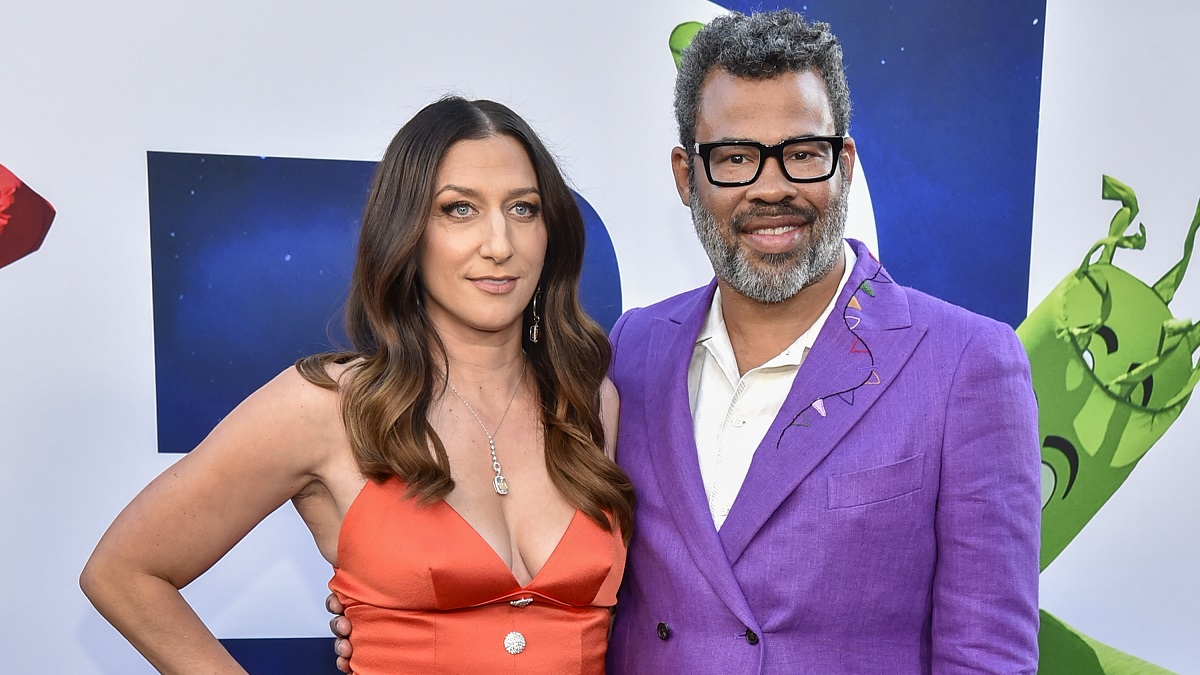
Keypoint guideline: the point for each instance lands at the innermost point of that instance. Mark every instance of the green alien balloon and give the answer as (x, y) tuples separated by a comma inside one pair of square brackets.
[(681, 37), (1112, 369)]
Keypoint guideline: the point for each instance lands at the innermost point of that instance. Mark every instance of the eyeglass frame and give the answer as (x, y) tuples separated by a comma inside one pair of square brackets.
[(838, 143)]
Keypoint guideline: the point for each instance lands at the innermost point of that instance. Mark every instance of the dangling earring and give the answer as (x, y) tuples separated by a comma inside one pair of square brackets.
[(535, 330)]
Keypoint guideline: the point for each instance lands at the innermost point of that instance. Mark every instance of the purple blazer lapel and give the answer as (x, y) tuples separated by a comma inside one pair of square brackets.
[(676, 465), (853, 360)]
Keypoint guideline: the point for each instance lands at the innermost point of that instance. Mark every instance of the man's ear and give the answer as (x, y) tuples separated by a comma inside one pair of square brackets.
[(849, 157), (679, 167)]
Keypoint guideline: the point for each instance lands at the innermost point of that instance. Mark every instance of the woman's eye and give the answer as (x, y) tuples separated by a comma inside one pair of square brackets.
[(524, 210), (459, 210)]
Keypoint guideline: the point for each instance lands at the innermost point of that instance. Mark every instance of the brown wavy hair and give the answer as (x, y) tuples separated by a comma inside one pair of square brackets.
[(397, 358)]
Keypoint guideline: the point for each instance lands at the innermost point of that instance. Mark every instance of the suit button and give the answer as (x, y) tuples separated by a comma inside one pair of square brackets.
[(751, 637), (664, 631)]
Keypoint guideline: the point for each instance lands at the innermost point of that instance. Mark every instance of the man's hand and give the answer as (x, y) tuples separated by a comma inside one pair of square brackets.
[(340, 626)]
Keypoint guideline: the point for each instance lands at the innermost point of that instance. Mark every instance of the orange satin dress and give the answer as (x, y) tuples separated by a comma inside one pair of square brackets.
[(426, 594)]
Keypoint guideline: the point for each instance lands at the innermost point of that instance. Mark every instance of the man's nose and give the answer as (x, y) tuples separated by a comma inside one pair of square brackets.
[(772, 185)]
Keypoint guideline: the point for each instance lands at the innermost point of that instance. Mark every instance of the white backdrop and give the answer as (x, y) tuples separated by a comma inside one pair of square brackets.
[(88, 89)]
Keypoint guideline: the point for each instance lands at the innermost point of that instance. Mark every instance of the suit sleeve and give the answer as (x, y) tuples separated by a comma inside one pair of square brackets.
[(614, 338), (985, 606)]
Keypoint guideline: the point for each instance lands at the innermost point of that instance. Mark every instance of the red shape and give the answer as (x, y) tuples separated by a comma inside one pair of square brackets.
[(25, 218), (856, 349)]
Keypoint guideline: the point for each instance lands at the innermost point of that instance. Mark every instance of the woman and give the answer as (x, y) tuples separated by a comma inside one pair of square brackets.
[(456, 468)]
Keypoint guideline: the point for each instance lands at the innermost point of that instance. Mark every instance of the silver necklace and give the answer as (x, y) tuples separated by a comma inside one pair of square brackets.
[(498, 483)]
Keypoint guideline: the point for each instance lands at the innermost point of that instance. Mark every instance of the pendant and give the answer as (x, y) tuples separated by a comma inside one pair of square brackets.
[(500, 484)]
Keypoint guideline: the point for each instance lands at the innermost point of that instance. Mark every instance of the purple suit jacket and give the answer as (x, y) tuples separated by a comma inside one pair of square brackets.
[(890, 519)]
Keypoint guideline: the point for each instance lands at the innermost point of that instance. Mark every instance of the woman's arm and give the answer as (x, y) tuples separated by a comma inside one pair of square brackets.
[(271, 446)]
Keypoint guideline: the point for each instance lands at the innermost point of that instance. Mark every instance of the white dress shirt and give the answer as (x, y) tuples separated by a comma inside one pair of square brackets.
[(731, 412)]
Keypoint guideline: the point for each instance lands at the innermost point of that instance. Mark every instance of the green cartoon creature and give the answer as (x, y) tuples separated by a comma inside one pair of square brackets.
[(1113, 369), (681, 37)]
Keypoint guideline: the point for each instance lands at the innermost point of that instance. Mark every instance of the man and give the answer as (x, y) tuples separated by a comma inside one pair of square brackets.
[(835, 474)]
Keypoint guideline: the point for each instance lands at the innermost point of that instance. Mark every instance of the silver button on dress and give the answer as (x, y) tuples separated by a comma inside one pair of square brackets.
[(514, 643)]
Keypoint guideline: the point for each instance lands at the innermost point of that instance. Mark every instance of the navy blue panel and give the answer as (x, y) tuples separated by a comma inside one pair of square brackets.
[(600, 286), (284, 656), (252, 259), (946, 100)]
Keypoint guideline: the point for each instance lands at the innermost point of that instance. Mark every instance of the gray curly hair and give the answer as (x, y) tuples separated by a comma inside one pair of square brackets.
[(760, 46)]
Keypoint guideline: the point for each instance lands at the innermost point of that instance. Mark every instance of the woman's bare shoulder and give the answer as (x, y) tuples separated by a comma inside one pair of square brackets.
[(608, 394), (322, 387), (294, 412), (610, 409), (291, 390)]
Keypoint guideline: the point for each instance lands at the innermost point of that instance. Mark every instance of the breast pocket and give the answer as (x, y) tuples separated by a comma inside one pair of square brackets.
[(876, 484)]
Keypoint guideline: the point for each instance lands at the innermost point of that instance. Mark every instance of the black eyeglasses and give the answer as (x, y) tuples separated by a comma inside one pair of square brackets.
[(807, 159)]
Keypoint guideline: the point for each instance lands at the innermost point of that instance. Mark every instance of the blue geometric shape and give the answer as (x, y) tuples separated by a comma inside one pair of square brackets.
[(251, 260), (284, 656), (600, 285)]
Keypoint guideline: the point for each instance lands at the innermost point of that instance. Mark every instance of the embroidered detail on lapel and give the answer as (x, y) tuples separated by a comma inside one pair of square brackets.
[(858, 346)]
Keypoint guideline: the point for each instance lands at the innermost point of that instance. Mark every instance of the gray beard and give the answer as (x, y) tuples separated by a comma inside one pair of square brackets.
[(776, 276)]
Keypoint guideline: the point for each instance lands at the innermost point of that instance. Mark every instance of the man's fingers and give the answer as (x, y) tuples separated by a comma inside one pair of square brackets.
[(333, 605), (340, 627), (343, 664)]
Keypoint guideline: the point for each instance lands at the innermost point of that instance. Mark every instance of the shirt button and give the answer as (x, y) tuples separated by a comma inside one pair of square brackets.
[(739, 422), (751, 637), (664, 631)]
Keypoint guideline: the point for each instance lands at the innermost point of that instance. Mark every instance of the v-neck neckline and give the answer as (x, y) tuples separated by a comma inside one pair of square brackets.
[(499, 560)]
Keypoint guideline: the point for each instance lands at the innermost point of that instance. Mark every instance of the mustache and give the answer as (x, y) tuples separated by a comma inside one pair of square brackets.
[(807, 214)]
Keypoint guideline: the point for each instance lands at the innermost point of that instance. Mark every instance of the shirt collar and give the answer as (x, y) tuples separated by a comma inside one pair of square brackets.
[(715, 337)]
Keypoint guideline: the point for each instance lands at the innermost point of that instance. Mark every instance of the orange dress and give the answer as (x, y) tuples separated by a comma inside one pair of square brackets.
[(426, 594)]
